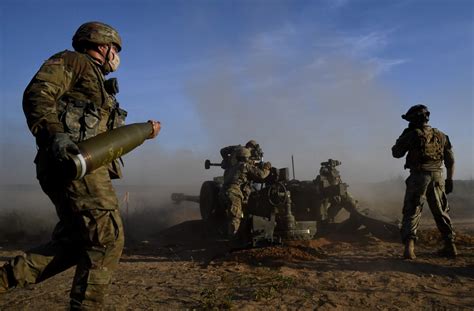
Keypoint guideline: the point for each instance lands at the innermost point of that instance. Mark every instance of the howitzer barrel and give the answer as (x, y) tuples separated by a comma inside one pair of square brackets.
[(180, 197), (107, 147)]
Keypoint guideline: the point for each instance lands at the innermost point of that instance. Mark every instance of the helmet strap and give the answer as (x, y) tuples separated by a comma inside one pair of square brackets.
[(109, 47), (96, 55)]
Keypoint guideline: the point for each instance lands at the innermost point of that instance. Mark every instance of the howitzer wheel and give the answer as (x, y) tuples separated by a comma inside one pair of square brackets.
[(208, 199), (277, 194)]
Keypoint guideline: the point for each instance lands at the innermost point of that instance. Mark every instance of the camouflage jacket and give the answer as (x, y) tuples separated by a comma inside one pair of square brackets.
[(239, 176), (426, 149), (67, 95)]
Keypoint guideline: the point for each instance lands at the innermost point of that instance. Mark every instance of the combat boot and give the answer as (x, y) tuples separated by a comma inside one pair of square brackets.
[(3, 280), (409, 249), (449, 250)]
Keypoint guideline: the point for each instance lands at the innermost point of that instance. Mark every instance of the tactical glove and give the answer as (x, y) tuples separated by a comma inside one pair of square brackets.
[(448, 185), (61, 145), (267, 165)]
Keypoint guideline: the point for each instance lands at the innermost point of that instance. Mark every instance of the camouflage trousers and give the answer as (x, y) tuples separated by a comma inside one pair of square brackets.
[(89, 235), (429, 186), (330, 207), (232, 203)]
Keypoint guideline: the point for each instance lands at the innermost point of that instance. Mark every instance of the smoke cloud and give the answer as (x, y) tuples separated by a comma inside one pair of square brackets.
[(315, 105), (296, 94)]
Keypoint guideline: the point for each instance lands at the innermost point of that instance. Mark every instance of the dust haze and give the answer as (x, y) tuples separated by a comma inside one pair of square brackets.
[(328, 109), (325, 105)]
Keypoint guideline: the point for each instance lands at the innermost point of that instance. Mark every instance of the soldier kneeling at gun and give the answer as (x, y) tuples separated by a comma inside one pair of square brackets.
[(334, 192)]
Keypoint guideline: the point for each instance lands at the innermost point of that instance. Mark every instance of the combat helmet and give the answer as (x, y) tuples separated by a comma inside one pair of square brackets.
[(417, 113), (242, 154), (255, 149), (251, 144), (97, 33)]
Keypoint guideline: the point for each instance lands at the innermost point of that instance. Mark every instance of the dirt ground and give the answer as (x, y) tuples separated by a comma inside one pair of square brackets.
[(185, 267)]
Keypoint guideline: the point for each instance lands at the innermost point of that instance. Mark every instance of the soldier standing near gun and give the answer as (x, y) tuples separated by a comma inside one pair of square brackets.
[(66, 102), (426, 149), (236, 188)]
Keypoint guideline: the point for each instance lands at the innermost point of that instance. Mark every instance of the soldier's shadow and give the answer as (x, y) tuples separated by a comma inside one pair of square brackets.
[(198, 241), (195, 240), (360, 252), (419, 267)]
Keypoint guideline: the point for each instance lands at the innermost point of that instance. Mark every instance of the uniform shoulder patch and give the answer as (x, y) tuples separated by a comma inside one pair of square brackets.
[(54, 61), (52, 70)]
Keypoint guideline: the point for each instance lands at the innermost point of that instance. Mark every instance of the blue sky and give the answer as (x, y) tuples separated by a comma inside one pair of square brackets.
[(317, 79)]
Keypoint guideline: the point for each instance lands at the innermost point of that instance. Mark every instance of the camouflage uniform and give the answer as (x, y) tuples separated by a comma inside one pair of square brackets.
[(228, 156), (427, 149), (334, 193), (228, 153), (67, 95), (236, 191)]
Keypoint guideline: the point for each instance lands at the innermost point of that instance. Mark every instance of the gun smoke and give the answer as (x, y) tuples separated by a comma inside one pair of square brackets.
[(325, 105)]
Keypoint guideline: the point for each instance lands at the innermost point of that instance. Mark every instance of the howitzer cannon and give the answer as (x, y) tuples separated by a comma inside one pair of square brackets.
[(207, 199), (268, 215), (325, 196), (293, 209), (180, 197)]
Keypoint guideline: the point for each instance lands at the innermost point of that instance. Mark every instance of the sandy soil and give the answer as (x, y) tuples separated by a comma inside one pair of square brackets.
[(184, 267)]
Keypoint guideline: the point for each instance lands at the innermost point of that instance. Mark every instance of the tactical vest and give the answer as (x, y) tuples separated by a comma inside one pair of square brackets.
[(431, 144), (429, 148), (87, 109), (80, 119)]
